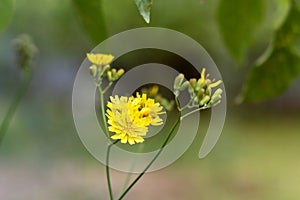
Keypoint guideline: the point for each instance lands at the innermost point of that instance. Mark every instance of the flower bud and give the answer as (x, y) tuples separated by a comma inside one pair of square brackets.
[(178, 81), (193, 82), (204, 100), (109, 75), (200, 93), (200, 84), (184, 85), (208, 91), (93, 70), (120, 72), (216, 96)]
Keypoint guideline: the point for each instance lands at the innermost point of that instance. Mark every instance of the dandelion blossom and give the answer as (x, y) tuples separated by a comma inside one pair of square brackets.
[(129, 118)]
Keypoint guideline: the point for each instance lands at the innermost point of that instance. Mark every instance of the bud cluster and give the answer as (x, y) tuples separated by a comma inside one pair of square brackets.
[(200, 90), (101, 68)]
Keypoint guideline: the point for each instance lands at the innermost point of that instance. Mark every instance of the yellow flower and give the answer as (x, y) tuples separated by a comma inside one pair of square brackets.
[(100, 59), (149, 109), (129, 118)]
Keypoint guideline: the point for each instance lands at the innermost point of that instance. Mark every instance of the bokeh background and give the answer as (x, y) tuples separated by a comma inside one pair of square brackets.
[(42, 157)]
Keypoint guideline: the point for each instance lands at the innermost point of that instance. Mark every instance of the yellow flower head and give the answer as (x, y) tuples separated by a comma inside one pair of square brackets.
[(100, 59), (129, 118)]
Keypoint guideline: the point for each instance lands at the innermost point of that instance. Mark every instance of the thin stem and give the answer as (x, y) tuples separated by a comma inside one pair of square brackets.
[(192, 112), (128, 177), (107, 87), (107, 169), (101, 95), (187, 105), (151, 162), (14, 104)]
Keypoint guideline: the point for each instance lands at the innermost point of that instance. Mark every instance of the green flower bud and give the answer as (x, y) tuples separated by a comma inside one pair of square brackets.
[(200, 84), (120, 72), (178, 81), (113, 72), (200, 93), (109, 75), (184, 85), (216, 96), (193, 82), (204, 100), (208, 91), (93, 70)]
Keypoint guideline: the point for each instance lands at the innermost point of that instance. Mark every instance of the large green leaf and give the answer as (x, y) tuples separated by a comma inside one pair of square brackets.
[(144, 7), (91, 16), (238, 21), (275, 75), (6, 10)]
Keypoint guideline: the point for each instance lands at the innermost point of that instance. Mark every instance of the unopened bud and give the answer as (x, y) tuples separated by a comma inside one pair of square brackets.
[(216, 96), (93, 70), (184, 85), (208, 91), (120, 72), (193, 82), (109, 75), (178, 81), (200, 93), (204, 100), (200, 84)]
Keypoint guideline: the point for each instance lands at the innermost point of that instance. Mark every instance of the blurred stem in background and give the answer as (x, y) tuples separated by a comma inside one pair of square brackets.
[(26, 52)]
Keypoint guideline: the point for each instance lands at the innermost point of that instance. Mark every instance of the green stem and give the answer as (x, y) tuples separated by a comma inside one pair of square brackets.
[(101, 95), (192, 112), (128, 177), (187, 105), (151, 162), (14, 104), (107, 87), (107, 169)]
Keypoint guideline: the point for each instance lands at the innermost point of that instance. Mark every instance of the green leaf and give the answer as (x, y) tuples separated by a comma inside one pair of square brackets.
[(274, 76), (238, 21), (144, 7), (90, 14), (6, 11)]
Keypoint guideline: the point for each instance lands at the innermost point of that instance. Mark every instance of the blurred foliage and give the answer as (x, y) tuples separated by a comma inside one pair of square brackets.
[(91, 16), (144, 6), (6, 11), (238, 22), (274, 75), (241, 23)]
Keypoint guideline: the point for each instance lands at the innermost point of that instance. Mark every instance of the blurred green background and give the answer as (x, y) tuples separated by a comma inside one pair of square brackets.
[(41, 156)]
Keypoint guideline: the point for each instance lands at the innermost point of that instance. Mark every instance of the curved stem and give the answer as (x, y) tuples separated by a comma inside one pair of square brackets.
[(14, 104), (151, 162), (107, 169)]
